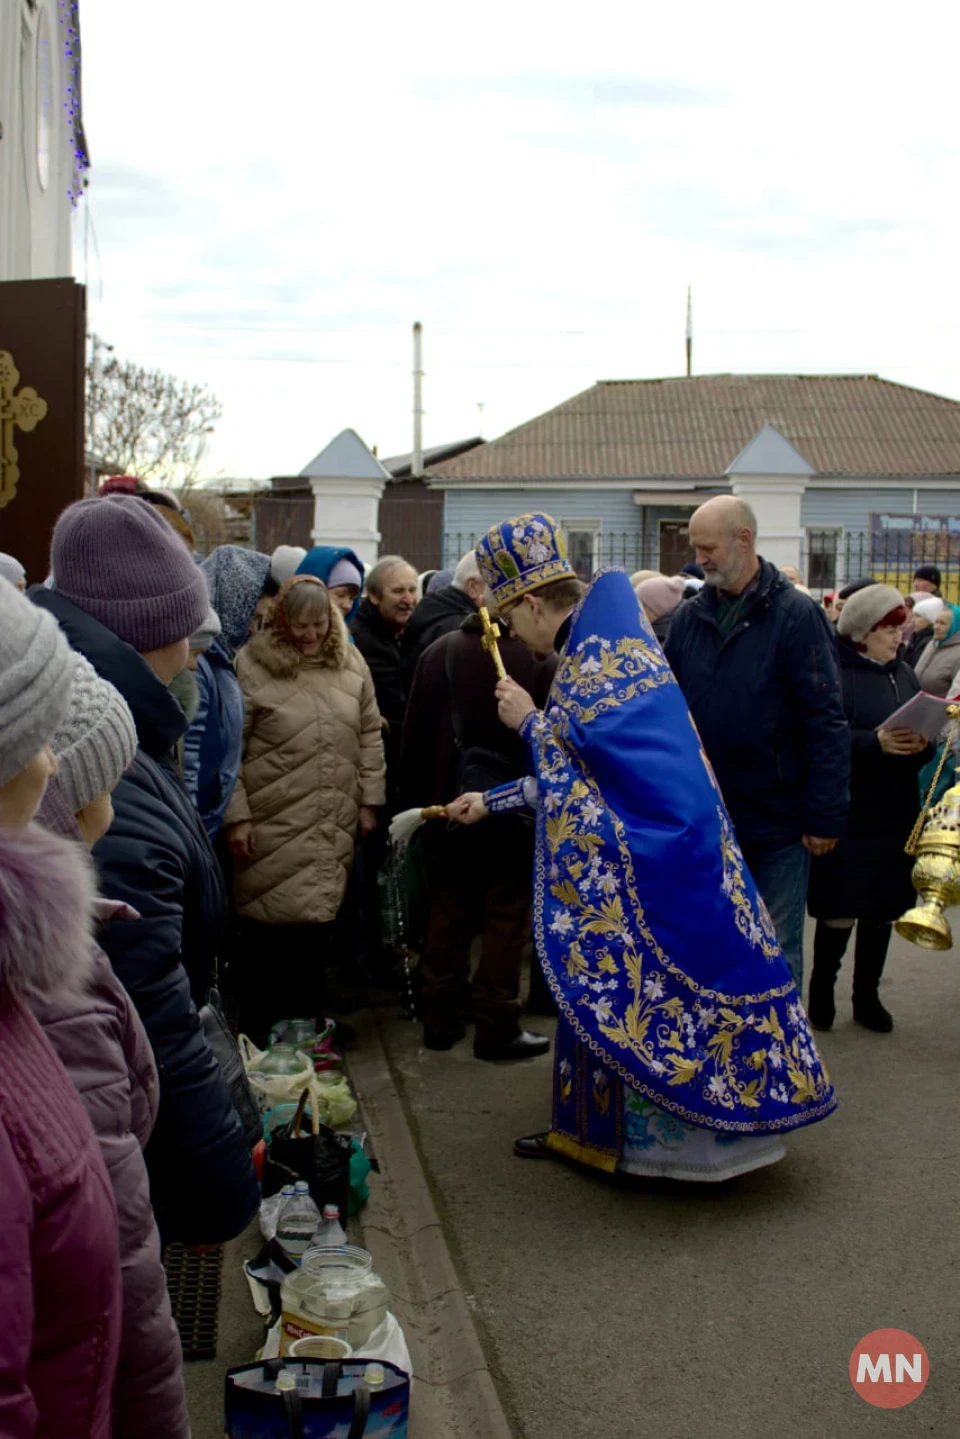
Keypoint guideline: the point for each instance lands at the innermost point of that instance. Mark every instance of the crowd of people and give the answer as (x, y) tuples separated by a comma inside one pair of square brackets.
[(199, 760)]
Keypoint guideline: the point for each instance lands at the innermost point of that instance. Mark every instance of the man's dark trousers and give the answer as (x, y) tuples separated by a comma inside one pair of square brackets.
[(474, 893)]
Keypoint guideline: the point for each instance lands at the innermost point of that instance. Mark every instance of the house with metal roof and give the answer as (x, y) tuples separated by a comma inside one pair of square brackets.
[(848, 474)]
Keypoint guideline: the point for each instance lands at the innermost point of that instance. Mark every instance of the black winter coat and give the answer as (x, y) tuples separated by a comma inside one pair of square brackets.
[(766, 701), (156, 857), (431, 756), (867, 876), (385, 653), (452, 715), (438, 614)]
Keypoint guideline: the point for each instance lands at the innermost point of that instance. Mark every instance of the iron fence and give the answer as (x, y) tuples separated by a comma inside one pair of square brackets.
[(833, 558), (589, 551), (829, 558)]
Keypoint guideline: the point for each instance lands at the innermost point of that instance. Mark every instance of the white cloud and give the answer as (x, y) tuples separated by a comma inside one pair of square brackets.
[(278, 192)]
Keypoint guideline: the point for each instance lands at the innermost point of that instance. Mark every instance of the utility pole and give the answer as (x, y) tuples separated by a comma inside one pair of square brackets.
[(689, 331), (416, 467), (96, 347)]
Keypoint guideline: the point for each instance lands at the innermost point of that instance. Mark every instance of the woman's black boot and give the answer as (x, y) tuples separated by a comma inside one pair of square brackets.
[(829, 946), (873, 941)]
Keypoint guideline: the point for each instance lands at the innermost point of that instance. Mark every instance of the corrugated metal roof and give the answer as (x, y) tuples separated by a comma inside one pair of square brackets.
[(845, 425)]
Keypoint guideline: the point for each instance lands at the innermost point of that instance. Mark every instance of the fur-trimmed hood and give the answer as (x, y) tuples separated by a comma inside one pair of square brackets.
[(275, 653), (47, 894)]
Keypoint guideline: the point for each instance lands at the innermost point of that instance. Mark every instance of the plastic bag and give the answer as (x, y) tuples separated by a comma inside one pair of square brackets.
[(329, 1091), (387, 1344), (272, 1089)]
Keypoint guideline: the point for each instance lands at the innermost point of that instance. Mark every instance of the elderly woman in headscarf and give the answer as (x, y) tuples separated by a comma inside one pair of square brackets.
[(865, 880), (313, 772), (940, 661), (919, 631)]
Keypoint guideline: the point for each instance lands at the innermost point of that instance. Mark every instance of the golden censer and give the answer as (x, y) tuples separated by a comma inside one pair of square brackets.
[(936, 875)]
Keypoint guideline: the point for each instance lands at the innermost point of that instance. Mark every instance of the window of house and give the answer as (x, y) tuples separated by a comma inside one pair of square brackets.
[(583, 546), (824, 552)]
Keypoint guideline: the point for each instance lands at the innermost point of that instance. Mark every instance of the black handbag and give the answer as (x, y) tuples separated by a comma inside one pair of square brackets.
[(221, 1040), (322, 1158)]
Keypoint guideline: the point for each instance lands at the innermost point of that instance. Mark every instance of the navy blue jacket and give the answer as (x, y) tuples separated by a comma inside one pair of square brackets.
[(213, 745), (766, 700), (157, 858)]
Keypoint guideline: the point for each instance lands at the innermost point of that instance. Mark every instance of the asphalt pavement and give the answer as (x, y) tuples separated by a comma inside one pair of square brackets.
[(669, 1310)]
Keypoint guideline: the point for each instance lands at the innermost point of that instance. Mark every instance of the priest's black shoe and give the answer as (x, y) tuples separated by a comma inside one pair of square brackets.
[(435, 1037), (524, 1045), (532, 1146)]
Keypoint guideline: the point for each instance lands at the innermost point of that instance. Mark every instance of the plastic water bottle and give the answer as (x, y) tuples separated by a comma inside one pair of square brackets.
[(330, 1233), (297, 1220)]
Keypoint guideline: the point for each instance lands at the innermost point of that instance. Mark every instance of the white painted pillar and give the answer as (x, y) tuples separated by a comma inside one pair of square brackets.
[(346, 512), (775, 500)]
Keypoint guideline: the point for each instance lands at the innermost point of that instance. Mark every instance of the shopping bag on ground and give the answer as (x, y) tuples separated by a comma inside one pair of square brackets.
[(329, 1401)]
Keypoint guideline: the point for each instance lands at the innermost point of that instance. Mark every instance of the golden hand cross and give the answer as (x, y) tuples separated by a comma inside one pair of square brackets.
[(491, 634)]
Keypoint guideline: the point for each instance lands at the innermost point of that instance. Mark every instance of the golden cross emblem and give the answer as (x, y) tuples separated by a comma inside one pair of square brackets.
[(491, 634), (22, 409)]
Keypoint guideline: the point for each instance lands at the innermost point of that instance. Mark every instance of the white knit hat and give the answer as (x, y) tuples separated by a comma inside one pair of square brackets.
[(285, 561), (929, 607), (35, 679), (11, 569), (864, 610), (97, 740)]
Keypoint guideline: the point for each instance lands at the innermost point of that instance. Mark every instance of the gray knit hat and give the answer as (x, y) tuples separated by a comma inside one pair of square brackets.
[(35, 679), (203, 638), (97, 740), (236, 578), (868, 608), (119, 561)]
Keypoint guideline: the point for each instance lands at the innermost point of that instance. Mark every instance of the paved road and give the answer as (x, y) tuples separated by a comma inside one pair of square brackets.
[(679, 1311)]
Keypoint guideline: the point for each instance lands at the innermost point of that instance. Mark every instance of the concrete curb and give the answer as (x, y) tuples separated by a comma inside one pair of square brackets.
[(454, 1396)]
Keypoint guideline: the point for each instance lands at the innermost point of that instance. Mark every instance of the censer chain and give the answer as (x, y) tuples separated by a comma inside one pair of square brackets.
[(913, 842)]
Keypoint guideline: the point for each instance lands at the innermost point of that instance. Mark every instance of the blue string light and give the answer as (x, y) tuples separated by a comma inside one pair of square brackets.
[(70, 26)]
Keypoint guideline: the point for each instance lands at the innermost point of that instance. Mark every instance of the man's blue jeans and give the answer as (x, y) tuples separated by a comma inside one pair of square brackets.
[(781, 876)]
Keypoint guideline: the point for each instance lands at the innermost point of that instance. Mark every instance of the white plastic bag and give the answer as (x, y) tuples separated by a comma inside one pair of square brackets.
[(388, 1344)]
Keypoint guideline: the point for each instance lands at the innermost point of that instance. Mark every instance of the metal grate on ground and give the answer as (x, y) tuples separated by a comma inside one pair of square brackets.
[(193, 1281)]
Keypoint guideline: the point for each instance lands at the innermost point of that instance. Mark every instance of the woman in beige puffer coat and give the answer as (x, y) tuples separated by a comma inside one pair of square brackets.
[(313, 772)]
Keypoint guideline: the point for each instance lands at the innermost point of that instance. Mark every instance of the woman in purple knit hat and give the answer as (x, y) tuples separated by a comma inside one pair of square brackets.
[(128, 595)]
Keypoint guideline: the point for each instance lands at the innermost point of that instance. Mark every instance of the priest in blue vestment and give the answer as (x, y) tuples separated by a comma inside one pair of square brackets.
[(682, 1050)]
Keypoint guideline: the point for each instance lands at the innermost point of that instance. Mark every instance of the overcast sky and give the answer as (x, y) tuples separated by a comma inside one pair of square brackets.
[(279, 191)]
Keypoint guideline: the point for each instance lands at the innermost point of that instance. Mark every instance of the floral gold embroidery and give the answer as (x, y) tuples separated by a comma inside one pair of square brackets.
[(736, 1052), (755, 926)]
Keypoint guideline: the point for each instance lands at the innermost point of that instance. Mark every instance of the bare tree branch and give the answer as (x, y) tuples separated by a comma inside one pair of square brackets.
[(148, 423)]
